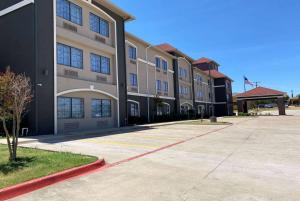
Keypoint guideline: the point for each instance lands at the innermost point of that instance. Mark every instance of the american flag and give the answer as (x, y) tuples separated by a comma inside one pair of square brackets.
[(246, 81)]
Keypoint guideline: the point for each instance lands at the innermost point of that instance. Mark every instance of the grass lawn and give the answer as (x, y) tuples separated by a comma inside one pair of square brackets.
[(204, 122), (34, 163)]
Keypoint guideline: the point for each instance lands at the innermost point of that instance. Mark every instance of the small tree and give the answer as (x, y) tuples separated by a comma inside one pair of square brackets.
[(15, 95)]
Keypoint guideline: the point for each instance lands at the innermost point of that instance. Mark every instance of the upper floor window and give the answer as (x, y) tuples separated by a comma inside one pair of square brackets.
[(99, 25), (198, 78), (184, 90), (166, 86), (158, 85), (69, 56), (133, 80), (183, 72), (100, 64), (132, 52), (164, 65), (101, 108), (199, 94), (70, 108), (157, 62), (69, 11)]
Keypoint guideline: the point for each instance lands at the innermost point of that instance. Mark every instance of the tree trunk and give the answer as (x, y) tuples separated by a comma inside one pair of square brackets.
[(8, 140)]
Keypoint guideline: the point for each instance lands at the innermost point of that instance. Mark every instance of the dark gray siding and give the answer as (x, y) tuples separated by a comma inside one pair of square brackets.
[(143, 102), (26, 44)]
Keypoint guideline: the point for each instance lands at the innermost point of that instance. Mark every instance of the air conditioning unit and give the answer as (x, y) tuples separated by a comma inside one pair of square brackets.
[(69, 27), (134, 89), (100, 39), (71, 126), (132, 61), (70, 73), (101, 78), (101, 124)]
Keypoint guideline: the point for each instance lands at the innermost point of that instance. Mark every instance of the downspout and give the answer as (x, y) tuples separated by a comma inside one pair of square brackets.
[(148, 93)]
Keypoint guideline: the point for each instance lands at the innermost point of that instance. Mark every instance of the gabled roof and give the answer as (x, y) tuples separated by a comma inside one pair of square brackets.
[(260, 92), (216, 74), (170, 49), (204, 60)]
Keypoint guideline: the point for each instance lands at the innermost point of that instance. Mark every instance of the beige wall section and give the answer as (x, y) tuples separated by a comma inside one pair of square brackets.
[(88, 123), (185, 82), (202, 86), (141, 68), (73, 79), (84, 30)]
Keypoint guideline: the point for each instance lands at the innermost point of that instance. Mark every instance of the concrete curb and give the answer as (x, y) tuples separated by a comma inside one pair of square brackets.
[(35, 184)]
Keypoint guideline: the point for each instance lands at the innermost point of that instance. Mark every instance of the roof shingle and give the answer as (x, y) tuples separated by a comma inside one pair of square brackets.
[(260, 91)]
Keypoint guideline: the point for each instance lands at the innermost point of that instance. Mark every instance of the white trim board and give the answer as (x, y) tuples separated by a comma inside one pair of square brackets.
[(87, 90), (150, 96), (15, 7)]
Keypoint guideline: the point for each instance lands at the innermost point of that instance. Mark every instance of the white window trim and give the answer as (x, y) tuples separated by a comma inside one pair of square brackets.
[(138, 103)]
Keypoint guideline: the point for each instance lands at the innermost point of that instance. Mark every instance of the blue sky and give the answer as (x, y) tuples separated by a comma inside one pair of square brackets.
[(257, 38)]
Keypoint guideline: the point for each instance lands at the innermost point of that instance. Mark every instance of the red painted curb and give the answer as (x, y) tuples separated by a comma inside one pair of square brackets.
[(35, 184)]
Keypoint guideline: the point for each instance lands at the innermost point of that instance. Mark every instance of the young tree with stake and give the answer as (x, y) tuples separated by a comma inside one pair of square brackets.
[(15, 95)]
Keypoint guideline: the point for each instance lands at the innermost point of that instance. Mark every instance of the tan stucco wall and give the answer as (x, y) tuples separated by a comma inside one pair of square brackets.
[(202, 86), (182, 63), (84, 30), (89, 123), (140, 68)]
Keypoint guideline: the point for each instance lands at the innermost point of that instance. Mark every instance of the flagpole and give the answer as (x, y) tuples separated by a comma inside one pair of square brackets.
[(244, 85)]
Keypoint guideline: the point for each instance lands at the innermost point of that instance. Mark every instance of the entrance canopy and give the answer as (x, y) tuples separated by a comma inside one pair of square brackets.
[(261, 93)]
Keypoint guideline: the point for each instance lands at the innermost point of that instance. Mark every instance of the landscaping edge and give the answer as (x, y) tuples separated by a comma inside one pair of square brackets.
[(35, 184)]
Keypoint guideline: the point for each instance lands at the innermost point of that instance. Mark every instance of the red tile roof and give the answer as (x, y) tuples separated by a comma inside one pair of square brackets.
[(169, 48), (216, 74), (204, 60), (166, 47), (260, 92)]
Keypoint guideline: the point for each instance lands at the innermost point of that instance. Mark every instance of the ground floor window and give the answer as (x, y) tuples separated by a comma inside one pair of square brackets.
[(201, 109), (70, 108), (163, 109), (134, 109), (185, 109), (101, 108)]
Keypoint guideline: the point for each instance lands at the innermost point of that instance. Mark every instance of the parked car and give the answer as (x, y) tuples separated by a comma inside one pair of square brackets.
[(269, 106)]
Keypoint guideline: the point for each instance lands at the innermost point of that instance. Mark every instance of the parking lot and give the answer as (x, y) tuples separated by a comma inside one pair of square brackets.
[(252, 159)]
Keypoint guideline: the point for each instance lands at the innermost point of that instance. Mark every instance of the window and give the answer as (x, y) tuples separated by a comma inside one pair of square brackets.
[(100, 64), (69, 56), (166, 86), (132, 52), (134, 109), (164, 65), (158, 85), (163, 109), (69, 11), (199, 94), (99, 25), (70, 108), (184, 90), (198, 78), (157, 62), (133, 80), (101, 108), (182, 73), (159, 110)]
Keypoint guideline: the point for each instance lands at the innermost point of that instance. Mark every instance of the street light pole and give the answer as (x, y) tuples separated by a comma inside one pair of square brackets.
[(213, 119)]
